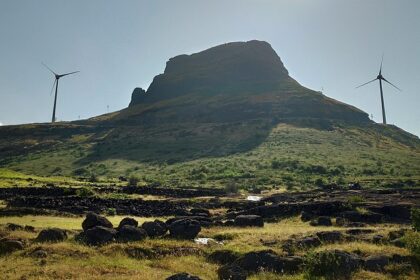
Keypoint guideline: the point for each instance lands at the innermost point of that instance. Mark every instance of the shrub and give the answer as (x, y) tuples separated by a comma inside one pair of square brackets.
[(412, 242), (93, 178), (415, 218), (231, 187), (133, 181), (355, 199), (84, 192), (111, 211)]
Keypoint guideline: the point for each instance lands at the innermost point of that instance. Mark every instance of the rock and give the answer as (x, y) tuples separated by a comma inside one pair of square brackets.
[(334, 264), (13, 227), (223, 257), (8, 246), (392, 235), (92, 220), (359, 231), (155, 228), (306, 216), (308, 242), (340, 221), (377, 238), (99, 235), (129, 233), (183, 276), (354, 186), (370, 217), (376, 263), (229, 223), (184, 229), (203, 220), (249, 221), (330, 236), (39, 253), (231, 272), (52, 235), (321, 221), (398, 243), (128, 221), (29, 228), (200, 211)]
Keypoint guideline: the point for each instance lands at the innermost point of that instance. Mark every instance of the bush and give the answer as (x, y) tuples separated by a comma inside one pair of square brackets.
[(133, 181), (84, 192), (231, 187), (415, 218), (412, 242), (93, 178)]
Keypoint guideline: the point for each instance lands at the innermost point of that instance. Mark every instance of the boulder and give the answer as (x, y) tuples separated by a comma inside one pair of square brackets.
[(29, 228), (128, 221), (13, 227), (223, 257), (52, 235), (395, 234), (39, 253), (231, 272), (359, 231), (377, 239), (308, 242), (8, 246), (321, 221), (306, 216), (129, 233), (99, 235), (330, 236), (376, 263), (200, 212), (183, 276), (184, 229), (249, 221), (93, 220), (155, 228), (334, 264), (370, 217)]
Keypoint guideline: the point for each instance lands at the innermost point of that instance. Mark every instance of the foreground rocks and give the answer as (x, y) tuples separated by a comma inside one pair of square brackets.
[(8, 245), (184, 229), (52, 235), (183, 276)]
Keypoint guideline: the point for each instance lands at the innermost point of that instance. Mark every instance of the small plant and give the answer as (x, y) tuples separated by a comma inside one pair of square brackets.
[(111, 211), (133, 181), (85, 192), (355, 199), (415, 218)]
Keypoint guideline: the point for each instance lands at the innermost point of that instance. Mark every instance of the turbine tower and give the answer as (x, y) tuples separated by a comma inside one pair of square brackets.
[(57, 77), (381, 78)]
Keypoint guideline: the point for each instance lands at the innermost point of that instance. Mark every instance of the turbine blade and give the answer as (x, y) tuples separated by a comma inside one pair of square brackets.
[(391, 84), (69, 73), (382, 60), (48, 68), (367, 82), (51, 91)]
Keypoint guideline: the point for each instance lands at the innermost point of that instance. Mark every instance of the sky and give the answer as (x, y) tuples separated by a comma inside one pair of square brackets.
[(326, 45)]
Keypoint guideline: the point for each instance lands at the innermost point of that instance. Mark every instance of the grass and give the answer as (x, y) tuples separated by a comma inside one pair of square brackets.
[(70, 260)]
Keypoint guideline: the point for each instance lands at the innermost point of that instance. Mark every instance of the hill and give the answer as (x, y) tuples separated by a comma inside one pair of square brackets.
[(227, 114)]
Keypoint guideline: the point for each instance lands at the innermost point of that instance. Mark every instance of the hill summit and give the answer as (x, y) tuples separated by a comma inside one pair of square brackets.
[(231, 82)]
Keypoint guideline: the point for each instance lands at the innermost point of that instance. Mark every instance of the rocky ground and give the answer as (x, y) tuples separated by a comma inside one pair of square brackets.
[(331, 233)]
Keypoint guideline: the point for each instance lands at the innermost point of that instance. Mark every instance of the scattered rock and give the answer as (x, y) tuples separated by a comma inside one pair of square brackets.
[(306, 216), (369, 217), (183, 276), (377, 239), (359, 231), (129, 233), (249, 221), (52, 235), (92, 220), (29, 228), (376, 263), (200, 212), (223, 257), (398, 243), (231, 272), (330, 236), (392, 235), (13, 227), (99, 235), (155, 228), (128, 221), (354, 186), (321, 221), (308, 242), (39, 253), (8, 246), (184, 229)]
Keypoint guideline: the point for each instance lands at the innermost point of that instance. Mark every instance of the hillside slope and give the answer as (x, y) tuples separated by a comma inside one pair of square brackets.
[(228, 114)]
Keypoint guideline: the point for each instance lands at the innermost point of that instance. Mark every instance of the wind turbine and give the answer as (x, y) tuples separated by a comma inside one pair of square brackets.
[(57, 77), (381, 78)]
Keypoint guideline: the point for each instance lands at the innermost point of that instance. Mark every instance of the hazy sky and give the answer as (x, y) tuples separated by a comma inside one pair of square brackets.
[(118, 45)]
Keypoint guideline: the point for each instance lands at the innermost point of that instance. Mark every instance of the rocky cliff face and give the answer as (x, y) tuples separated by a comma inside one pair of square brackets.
[(232, 82)]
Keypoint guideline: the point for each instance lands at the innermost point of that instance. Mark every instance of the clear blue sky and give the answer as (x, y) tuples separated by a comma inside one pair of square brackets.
[(118, 45)]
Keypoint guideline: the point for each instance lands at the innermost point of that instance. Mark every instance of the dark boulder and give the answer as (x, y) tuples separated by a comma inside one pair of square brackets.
[(29, 228), (99, 235), (377, 239), (93, 220), (249, 221), (200, 212), (395, 234), (330, 236), (229, 223), (308, 242), (376, 263), (183, 276), (184, 229), (334, 264), (306, 216), (129, 233), (52, 235), (369, 217), (231, 272), (359, 231), (223, 257), (354, 186), (39, 253), (155, 228), (321, 221), (8, 246), (128, 221), (13, 227)]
